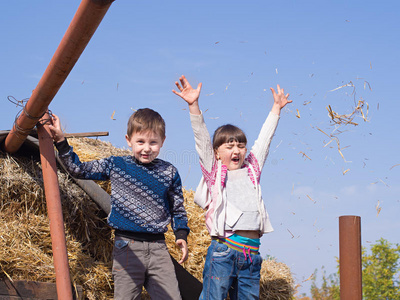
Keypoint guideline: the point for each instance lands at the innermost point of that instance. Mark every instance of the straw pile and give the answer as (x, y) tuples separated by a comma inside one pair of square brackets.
[(25, 243)]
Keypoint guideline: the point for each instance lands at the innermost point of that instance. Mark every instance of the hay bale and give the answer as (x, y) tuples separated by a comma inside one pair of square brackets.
[(25, 236), (25, 242)]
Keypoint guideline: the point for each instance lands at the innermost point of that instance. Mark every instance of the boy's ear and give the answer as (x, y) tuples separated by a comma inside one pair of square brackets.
[(128, 140), (162, 143)]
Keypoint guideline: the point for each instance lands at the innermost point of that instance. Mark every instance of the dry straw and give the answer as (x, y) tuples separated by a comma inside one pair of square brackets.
[(25, 243)]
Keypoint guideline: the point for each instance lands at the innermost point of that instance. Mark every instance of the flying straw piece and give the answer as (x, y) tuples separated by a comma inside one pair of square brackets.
[(309, 278), (298, 113), (209, 94), (344, 172), (305, 103), (290, 233), (311, 199), (276, 148), (369, 86), (304, 155), (394, 166), (378, 209), (112, 116), (337, 141), (341, 119), (384, 182), (345, 85)]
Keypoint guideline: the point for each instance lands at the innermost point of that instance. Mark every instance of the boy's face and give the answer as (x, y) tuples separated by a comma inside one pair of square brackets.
[(145, 145), (231, 154)]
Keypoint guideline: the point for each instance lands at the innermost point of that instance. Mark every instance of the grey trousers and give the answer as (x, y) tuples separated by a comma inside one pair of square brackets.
[(137, 264)]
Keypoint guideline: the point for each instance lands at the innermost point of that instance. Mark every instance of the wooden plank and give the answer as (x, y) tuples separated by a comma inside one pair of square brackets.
[(21, 289), (85, 134)]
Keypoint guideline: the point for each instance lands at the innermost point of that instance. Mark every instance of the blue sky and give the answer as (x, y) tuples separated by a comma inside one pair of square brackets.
[(238, 50)]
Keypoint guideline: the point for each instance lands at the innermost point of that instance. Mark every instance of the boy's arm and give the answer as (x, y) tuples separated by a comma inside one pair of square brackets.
[(96, 170), (179, 220), (179, 216), (201, 135), (261, 146)]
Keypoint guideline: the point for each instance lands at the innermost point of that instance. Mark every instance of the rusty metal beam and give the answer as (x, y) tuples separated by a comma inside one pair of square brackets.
[(54, 210), (350, 267), (81, 29)]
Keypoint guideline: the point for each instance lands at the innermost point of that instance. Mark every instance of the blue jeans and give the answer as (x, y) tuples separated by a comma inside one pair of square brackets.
[(229, 271)]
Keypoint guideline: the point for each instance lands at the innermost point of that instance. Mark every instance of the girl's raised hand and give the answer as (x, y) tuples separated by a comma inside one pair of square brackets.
[(280, 99), (187, 93)]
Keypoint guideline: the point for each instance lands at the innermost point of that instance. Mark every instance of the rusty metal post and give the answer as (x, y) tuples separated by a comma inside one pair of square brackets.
[(350, 267), (85, 22), (54, 210)]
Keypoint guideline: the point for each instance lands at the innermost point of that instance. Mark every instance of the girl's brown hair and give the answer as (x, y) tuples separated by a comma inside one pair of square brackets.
[(227, 134), (146, 119)]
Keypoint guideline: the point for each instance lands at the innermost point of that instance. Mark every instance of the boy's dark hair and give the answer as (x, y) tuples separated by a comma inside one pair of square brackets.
[(146, 119), (227, 134)]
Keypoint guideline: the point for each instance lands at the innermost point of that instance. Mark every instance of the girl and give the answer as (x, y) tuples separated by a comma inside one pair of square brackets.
[(230, 192)]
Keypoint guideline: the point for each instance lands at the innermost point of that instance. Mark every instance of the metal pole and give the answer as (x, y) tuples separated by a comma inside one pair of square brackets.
[(350, 258), (54, 210), (85, 22)]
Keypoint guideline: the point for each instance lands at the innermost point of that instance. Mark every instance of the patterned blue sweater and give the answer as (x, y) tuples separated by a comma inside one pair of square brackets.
[(145, 198)]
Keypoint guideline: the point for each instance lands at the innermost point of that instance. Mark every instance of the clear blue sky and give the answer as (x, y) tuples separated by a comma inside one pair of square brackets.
[(238, 50)]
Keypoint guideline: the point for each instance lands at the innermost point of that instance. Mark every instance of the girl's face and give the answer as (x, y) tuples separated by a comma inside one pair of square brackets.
[(231, 154)]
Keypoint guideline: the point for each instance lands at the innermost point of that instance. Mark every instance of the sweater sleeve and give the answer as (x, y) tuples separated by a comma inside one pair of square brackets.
[(203, 142), (260, 148), (95, 170), (179, 221)]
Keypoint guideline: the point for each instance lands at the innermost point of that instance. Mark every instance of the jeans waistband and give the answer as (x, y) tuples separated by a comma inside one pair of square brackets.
[(237, 246)]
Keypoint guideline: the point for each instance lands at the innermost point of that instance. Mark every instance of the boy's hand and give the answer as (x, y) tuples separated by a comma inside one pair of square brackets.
[(55, 128), (189, 94), (183, 245), (280, 100)]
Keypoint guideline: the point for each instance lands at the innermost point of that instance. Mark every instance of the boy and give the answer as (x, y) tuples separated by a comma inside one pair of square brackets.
[(146, 195)]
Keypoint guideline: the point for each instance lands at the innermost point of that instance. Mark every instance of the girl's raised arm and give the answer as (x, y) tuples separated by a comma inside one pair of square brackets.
[(201, 135), (261, 146)]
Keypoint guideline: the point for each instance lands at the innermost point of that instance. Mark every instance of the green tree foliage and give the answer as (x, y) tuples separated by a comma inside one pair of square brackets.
[(380, 275), (329, 289), (381, 271)]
